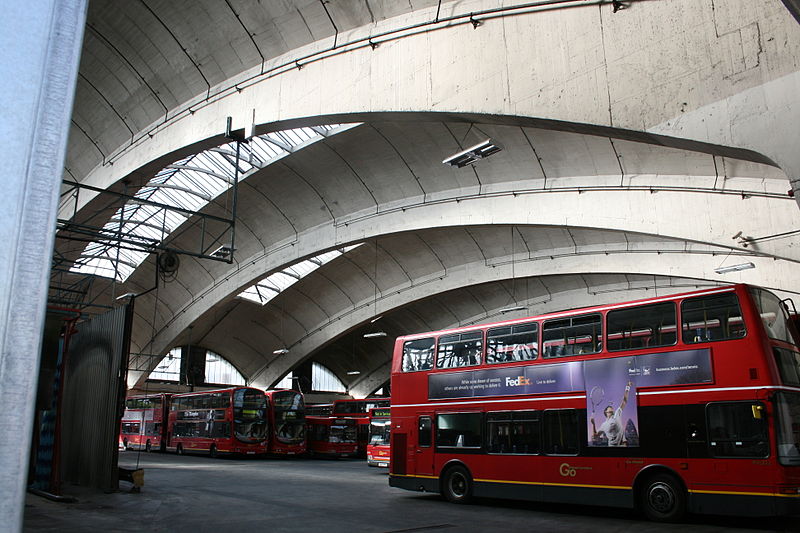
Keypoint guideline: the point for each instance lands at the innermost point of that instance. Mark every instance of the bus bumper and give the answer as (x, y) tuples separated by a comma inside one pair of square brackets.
[(421, 484)]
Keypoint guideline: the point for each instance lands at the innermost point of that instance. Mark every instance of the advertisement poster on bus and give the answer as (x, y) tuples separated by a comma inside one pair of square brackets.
[(611, 386), (509, 381)]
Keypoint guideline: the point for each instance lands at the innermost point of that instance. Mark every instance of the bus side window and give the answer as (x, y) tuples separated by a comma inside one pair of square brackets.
[(643, 326), (735, 432), (572, 335), (560, 429), (714, 317), (515, 432), (512, 343), (461, 349)]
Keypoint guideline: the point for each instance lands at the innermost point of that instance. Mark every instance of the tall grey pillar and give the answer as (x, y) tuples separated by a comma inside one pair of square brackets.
[(41, 44)]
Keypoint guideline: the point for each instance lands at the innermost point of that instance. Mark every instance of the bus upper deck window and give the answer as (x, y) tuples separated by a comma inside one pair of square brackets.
[(512, 343), (712, 317), (418, 355), (643, 326), (460, 349), (572, 336)]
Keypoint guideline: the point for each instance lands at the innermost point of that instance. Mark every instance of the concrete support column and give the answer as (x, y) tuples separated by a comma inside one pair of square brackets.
[(41, 43)]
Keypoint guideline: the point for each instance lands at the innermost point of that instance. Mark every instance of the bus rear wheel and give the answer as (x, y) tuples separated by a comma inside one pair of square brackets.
[(457, 485), (213, 450), (662, 499)]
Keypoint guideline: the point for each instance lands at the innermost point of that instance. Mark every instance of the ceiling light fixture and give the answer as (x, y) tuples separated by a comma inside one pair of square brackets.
[(281, 351), (734, 268), (353, 373), (374, 335), (473, 154)]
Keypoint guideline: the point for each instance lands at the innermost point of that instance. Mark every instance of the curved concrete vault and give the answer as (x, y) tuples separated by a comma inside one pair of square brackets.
[(636, 157)]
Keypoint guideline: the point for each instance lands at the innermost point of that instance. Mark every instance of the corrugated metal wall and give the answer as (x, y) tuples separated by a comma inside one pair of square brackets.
[(94, 391)]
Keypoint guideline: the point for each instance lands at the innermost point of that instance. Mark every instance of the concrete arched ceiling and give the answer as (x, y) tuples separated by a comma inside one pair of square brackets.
[(595, 211), (574, 203)]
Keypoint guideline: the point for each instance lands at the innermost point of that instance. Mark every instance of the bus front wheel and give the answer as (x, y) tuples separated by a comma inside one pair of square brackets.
[(179, 450), (457, 485), (663, 499), (148, 447), (213, 450)]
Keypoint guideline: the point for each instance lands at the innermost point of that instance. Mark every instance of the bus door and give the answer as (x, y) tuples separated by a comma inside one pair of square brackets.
[(424, 445)]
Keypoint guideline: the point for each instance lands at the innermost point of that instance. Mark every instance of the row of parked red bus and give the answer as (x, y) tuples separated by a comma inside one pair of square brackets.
[(245, 420)]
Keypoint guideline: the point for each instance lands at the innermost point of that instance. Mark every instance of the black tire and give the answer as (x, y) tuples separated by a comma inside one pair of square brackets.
[(179, 450), (213, 450), (125, 444), (662, 498), (147, 447), (457, 485)]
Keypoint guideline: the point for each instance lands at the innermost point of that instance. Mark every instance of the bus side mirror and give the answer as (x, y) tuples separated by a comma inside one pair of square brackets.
[(758, 411)]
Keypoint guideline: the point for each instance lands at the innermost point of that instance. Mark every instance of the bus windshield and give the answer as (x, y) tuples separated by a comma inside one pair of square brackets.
[(379, 432), (289, 416), (249, 415), (773, 315)]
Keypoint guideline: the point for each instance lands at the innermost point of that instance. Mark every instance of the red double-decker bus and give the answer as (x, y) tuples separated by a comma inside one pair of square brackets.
[(683, 403), (380, 425), (231, 420), (143, 424), (359, 409), (331, 436), (287, 422)]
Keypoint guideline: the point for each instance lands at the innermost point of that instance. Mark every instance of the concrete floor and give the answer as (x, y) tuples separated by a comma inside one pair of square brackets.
[(199, 494)]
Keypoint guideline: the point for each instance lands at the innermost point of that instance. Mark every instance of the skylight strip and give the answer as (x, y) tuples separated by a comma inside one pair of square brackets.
[(280, 281), (190, 183)]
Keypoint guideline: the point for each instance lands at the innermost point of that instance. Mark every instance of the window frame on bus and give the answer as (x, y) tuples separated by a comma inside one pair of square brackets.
[(612, 314), (429, 359), (535, 416), (595, 344), (545, 443), (462, 437), (750, 407), (697, 337), (458, 339), (515, 332)]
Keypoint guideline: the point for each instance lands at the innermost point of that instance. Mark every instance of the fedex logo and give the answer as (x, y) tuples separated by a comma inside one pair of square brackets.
[(517, 381)]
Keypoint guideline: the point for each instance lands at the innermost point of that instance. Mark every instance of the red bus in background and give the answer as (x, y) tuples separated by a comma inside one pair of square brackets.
[(359, 409), (380, 424), (331, 436), (231, 420), (143, 424), (287, 422), (688, 402)]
